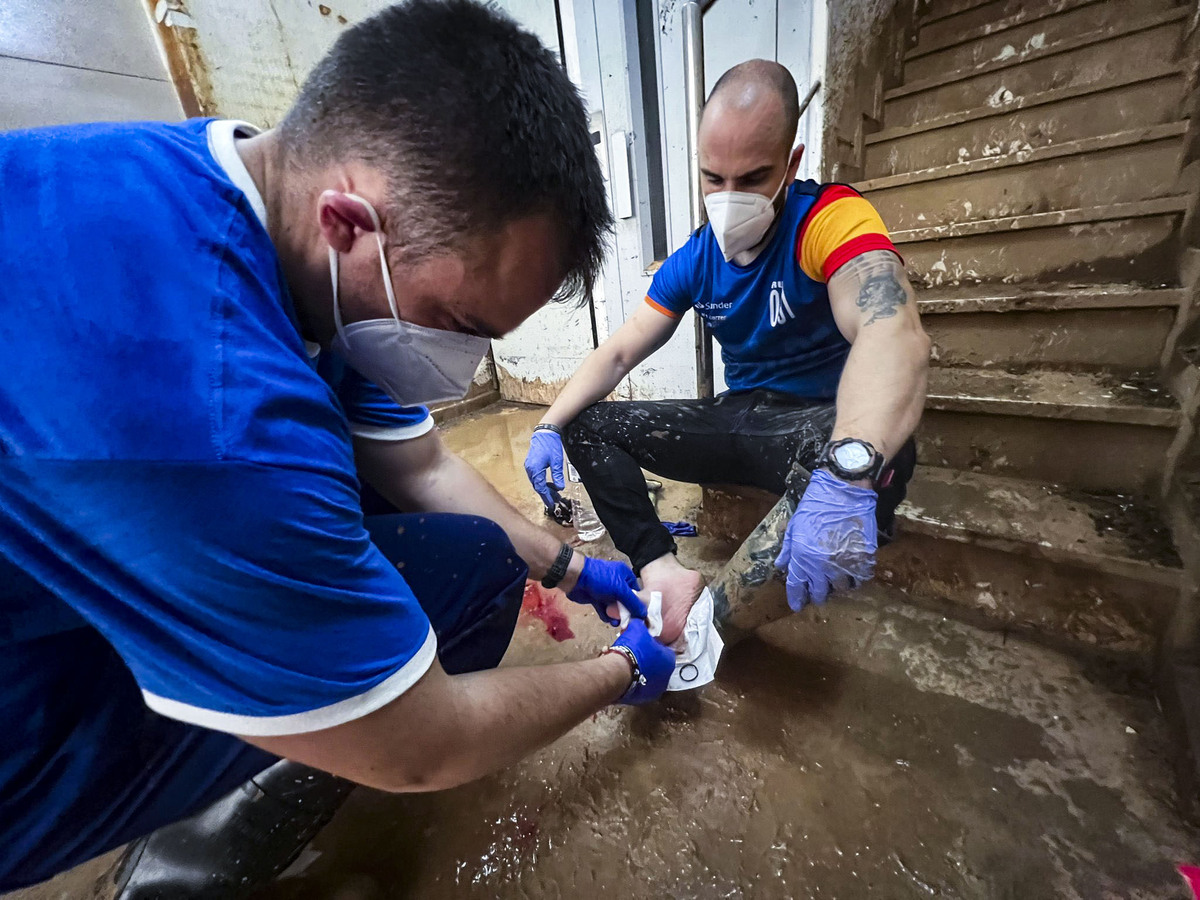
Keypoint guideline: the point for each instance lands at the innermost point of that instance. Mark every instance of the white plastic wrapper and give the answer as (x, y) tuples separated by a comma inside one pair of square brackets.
[(698, 649)]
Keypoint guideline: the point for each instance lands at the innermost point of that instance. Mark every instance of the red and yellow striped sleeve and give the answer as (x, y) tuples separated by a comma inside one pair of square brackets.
[(840, 226)]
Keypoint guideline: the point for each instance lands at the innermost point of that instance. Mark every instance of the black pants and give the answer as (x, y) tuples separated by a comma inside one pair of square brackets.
[(749, 438)]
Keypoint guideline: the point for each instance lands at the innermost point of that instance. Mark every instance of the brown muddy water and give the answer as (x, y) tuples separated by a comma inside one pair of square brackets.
[(865, 749)]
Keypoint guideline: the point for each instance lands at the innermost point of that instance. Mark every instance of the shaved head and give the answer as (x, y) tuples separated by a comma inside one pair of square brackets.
[(747, 130), (759, 86)]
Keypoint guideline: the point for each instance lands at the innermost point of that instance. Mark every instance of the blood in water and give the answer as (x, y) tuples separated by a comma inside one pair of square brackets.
[(546, 605)]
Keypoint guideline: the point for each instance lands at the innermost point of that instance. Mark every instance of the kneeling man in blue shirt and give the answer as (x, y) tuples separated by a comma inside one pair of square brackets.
[(215, 341)]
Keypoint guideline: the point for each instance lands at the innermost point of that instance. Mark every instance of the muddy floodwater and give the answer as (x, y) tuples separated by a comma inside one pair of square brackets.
[(865, 749)]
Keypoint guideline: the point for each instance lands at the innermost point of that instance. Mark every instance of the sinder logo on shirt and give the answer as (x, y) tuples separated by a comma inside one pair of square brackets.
[(780, 310)]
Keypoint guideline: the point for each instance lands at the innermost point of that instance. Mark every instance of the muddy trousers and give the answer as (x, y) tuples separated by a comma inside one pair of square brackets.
[(749, 438), (248, 815)]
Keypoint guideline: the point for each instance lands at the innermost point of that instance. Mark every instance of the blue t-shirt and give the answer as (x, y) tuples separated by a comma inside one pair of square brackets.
[(176, 474), (773, 322)]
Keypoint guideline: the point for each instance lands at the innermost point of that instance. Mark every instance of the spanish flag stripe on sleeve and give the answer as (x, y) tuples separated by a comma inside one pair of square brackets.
[(841, 225)]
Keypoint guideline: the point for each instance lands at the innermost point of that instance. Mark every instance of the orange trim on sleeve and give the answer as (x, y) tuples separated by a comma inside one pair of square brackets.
[(662, 309), (846, 217), (853, 248)]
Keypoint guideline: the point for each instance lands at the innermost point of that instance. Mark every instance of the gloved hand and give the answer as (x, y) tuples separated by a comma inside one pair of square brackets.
[(545, 452), (656, 663), (604, 581), (831, 540)]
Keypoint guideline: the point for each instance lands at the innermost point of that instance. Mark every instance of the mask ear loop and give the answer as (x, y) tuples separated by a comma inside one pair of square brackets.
[(333, 276), (383, 263), (385, 271)]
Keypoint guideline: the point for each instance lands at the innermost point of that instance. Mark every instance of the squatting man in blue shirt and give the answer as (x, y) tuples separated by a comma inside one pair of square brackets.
[(210, 336), (824, 354)]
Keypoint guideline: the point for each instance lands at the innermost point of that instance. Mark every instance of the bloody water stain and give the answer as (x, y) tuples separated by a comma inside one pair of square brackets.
[(547, 605)]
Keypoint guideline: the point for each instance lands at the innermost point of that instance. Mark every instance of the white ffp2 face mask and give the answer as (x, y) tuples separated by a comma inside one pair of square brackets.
[(739, 219), (412, 364)]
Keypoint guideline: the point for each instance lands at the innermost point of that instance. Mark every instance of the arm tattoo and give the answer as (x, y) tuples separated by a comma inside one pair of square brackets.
[(880, 295), (877, 283)]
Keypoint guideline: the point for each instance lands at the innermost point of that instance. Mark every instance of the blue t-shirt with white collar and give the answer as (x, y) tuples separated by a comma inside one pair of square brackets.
[(177, 479)]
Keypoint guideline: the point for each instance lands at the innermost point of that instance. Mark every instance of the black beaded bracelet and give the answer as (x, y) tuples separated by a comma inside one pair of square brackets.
[(558, 569), (546, 426)]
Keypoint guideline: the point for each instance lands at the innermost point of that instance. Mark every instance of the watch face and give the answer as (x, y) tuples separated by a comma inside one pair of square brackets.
[(852, 457)]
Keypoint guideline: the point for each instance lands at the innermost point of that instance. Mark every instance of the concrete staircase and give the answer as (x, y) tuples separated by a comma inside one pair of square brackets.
[(1027, 167)]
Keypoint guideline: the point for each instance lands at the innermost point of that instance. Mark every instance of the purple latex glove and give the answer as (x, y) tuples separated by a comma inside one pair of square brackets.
[(679, 529), (545, 452), (604, 581), (657, 662), (830, 542)]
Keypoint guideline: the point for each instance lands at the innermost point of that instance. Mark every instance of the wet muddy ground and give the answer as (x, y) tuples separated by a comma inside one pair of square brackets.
[(866, 749)]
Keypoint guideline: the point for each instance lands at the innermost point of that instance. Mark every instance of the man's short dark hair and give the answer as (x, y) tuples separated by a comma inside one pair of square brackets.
[(473, 121)]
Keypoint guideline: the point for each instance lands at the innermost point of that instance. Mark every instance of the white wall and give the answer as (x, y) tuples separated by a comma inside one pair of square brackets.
[(537, 359), (77, 62)]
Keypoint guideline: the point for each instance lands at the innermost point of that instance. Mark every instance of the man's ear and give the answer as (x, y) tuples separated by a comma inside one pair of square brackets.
[(794, 162), (338, 215)]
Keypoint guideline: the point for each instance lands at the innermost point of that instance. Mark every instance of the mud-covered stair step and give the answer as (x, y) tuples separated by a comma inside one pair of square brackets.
[(940, 10), (1132, 99), (1096, 570), (1137, 44), (1021, 28), (1076, 326), (1128, 166), (1052, 394), (1136, 242), (1094, 430)]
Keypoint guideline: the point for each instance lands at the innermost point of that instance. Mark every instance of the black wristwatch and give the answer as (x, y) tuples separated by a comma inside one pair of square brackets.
[(852, 460), (558, 569)]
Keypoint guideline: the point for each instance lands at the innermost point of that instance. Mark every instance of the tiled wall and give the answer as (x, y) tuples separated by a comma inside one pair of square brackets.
[(66, 61)]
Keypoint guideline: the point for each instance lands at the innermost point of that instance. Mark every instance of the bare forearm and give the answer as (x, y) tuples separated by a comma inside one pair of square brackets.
[(642, 334), (448, 730), (506, 714), (595, 379), (882, 392), (453, 485)]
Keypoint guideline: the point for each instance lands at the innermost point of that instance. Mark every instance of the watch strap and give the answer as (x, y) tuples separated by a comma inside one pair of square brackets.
[(558, 569)]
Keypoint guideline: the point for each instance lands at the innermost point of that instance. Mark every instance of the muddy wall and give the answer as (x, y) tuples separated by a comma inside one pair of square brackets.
[(61, 63), (867, 40)]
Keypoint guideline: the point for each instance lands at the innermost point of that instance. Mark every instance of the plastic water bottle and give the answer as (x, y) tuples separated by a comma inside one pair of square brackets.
[(587, 524)]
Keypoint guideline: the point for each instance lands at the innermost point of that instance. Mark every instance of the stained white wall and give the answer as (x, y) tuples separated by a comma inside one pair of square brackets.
[(72, 62), (538, 358)]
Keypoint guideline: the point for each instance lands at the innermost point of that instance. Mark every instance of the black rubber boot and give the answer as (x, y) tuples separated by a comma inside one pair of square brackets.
[(239, 843)]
